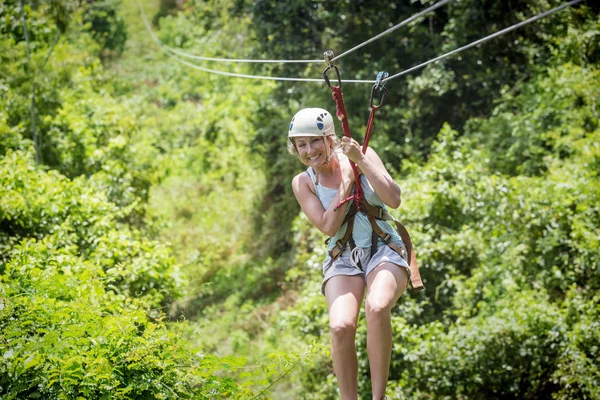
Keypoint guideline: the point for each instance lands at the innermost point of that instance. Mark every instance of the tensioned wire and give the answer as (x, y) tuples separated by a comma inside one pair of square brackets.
[(236, 75), (231, 60), (236, 60), (475, 43), (393, 28), (485, 39)]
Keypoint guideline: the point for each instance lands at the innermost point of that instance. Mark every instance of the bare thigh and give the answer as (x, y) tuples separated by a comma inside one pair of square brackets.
[(386, 283), (344, 297)]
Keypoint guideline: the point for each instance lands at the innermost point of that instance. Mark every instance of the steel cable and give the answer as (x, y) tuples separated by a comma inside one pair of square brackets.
[(386, 32), (232, 74), (393, 28), (485, 39), (174, 55)]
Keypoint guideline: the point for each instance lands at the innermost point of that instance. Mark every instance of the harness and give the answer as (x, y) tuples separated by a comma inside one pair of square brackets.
[(359, 203)]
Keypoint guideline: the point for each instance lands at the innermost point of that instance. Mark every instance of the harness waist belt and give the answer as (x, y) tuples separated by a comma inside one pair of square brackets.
[(408, 253)]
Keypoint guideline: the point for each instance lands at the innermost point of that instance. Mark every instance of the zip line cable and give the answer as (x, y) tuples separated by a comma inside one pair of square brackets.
[(263, 77), (485, 39), (393, 28), (172, 54), (217, 59), (213, 71), (231, 60), (234, 60)]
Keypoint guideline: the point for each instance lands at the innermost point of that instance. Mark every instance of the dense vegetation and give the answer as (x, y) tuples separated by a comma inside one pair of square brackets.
[(150, 245)]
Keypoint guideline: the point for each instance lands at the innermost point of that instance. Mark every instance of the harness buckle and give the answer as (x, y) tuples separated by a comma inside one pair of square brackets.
[(337, 250)]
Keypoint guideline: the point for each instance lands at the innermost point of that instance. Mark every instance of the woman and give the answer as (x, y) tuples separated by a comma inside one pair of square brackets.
[(328, 180)]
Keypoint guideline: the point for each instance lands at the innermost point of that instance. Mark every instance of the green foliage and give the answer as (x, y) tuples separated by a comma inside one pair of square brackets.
[(550, 119), (146, 165), (451, 91), (167, 7), (503, 216), (65, 336), (80, 129), (76, 216), (512, 353), (106, 25)]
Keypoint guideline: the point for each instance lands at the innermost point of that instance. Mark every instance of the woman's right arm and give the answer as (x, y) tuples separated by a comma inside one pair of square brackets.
[(327, 221)]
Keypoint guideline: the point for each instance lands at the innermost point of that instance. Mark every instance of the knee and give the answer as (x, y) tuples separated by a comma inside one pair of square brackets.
[(378, 306), (342, 330)]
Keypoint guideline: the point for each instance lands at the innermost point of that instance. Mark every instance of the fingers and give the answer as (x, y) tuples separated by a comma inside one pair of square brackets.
[(348, 144), (345, 141)]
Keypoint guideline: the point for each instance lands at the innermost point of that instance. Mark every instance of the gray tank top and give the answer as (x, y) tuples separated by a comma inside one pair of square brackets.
[(362, 231)]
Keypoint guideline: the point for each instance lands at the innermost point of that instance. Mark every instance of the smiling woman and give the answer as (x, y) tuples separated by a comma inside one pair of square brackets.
[(309, 126), (361, 259)]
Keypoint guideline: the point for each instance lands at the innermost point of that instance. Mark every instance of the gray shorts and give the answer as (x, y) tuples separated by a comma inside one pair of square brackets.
[(345, 265)]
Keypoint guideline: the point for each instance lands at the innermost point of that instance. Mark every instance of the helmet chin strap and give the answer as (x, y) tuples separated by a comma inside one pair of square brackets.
[(327, 150)]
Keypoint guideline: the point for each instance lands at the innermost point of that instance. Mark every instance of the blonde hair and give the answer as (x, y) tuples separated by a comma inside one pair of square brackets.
[(334, 144)]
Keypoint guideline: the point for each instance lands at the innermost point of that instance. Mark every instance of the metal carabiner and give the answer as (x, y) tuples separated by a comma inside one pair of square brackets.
[(379, 84), (328, 55)]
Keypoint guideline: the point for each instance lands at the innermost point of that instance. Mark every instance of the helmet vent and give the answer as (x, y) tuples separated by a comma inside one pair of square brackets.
[(320, 120)]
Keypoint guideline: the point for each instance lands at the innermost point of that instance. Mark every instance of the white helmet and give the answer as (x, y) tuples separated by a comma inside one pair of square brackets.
[(311, 122)]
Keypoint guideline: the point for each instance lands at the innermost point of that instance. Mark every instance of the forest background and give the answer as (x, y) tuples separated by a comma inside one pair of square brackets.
[(151, 247)]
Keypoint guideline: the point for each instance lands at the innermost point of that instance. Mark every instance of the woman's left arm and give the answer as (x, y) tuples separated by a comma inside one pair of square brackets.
[(372, 167)]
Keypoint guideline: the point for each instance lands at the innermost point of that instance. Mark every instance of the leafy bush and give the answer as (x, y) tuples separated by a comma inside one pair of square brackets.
[(509, 257), (37, 204), (65, 336), (106, 25), (496, 152), (514, 352)]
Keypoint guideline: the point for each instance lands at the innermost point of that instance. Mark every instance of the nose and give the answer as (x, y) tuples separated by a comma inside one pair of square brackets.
[(307, 148)]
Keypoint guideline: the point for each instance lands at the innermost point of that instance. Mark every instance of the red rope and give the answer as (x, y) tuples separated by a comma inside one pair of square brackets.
[(338, 97), (368, 131)]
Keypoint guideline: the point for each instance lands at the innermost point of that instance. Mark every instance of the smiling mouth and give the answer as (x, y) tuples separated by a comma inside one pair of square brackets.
[(313, 158)]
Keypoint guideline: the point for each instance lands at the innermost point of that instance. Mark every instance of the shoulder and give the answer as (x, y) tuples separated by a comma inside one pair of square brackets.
[(302, 182), (301, 178)]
